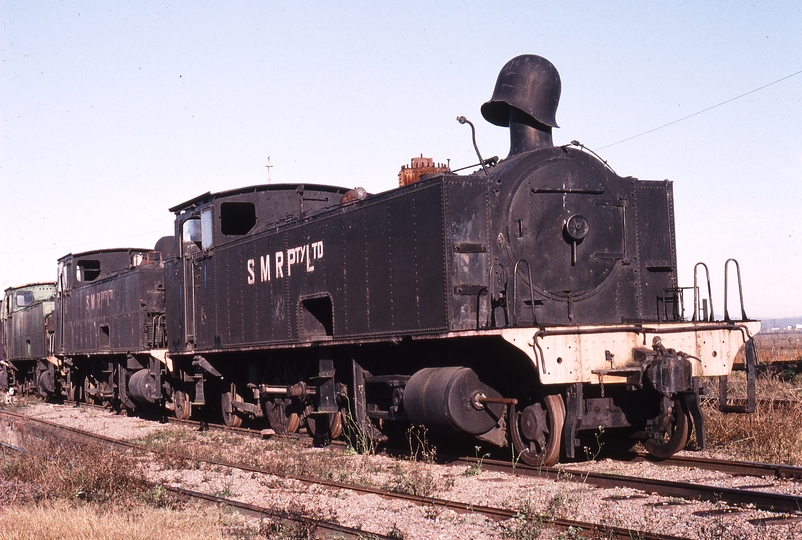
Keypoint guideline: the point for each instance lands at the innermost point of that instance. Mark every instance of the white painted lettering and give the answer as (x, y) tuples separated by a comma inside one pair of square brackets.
[(94, 301), (265, 267), (309, 267), (251, 277), (300, 255), (291, 255)]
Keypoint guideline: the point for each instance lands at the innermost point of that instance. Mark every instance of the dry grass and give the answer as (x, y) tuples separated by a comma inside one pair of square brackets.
[(779, 346), (90, 492), (56, 520), (67, 470), (771, 434), (768, 435)]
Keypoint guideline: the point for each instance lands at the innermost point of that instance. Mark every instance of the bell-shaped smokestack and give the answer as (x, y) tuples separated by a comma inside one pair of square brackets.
[(525, 99)]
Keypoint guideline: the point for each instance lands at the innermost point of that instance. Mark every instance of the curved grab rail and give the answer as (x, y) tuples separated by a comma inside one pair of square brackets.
[(740, 289), (696, 294)]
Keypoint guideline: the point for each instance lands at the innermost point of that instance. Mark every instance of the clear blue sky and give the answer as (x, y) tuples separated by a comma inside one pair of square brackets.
[(112, 112)]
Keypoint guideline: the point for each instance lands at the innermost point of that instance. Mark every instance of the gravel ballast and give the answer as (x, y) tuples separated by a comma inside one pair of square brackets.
[(567, 497)]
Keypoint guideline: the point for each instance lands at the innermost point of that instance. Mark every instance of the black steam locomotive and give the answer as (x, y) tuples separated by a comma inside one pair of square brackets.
[(524, 304)]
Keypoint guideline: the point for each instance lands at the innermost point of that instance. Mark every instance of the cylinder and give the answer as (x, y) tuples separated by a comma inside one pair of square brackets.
[(142, 387), (446, 398)]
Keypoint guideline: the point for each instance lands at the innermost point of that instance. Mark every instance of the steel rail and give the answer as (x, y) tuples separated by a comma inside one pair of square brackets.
[(337, 530), (773, 403), (763, 500), (742, 468)]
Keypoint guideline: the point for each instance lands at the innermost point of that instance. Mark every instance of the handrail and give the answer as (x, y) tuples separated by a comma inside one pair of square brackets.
[(740, 289), (696, 299)]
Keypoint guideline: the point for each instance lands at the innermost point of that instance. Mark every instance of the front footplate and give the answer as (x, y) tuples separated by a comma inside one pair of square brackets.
[(568, 355)]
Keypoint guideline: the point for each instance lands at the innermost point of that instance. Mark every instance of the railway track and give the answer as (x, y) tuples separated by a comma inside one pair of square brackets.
[(740, 468), (322, 529), (493, 513), (765, 500), (764, 403), (731, 467)]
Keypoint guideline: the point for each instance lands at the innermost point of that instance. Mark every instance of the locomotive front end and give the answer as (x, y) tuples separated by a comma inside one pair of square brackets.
[(590, 295), (581, 277), (570, 228)]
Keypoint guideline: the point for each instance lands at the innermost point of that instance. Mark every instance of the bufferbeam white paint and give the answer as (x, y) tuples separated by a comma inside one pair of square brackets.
[(565, 355)]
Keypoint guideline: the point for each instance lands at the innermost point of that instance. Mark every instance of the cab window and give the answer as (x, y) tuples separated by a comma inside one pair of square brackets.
[(24, 298), (87, 270), (237, 218)]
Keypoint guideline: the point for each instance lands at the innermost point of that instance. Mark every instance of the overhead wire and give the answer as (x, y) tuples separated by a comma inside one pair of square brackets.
[(699, 112)]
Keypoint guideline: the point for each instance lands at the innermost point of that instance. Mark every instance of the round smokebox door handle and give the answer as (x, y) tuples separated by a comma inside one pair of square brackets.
[(577, 227)]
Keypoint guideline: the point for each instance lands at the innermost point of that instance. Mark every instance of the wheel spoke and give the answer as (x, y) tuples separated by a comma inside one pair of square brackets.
[(536, 431), (230, 416), (282, 418), (182, 405), (675, 438), (88, 387)]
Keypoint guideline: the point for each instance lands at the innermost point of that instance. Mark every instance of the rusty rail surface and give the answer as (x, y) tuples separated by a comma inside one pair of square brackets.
[(775, 404), (334, 530), (763, 500), (739, 468)]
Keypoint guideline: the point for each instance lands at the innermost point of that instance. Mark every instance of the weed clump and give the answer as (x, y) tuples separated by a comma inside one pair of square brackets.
[(412, 478), (526, 525), (475, 468), (771, 434), (66, 470)]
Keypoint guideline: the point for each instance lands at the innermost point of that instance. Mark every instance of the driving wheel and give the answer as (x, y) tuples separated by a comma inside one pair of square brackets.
[(282, 418), (71, 390), (88, 388), (335, 424), (230, 416), (182, 406), (674, 437), (536, 428)]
